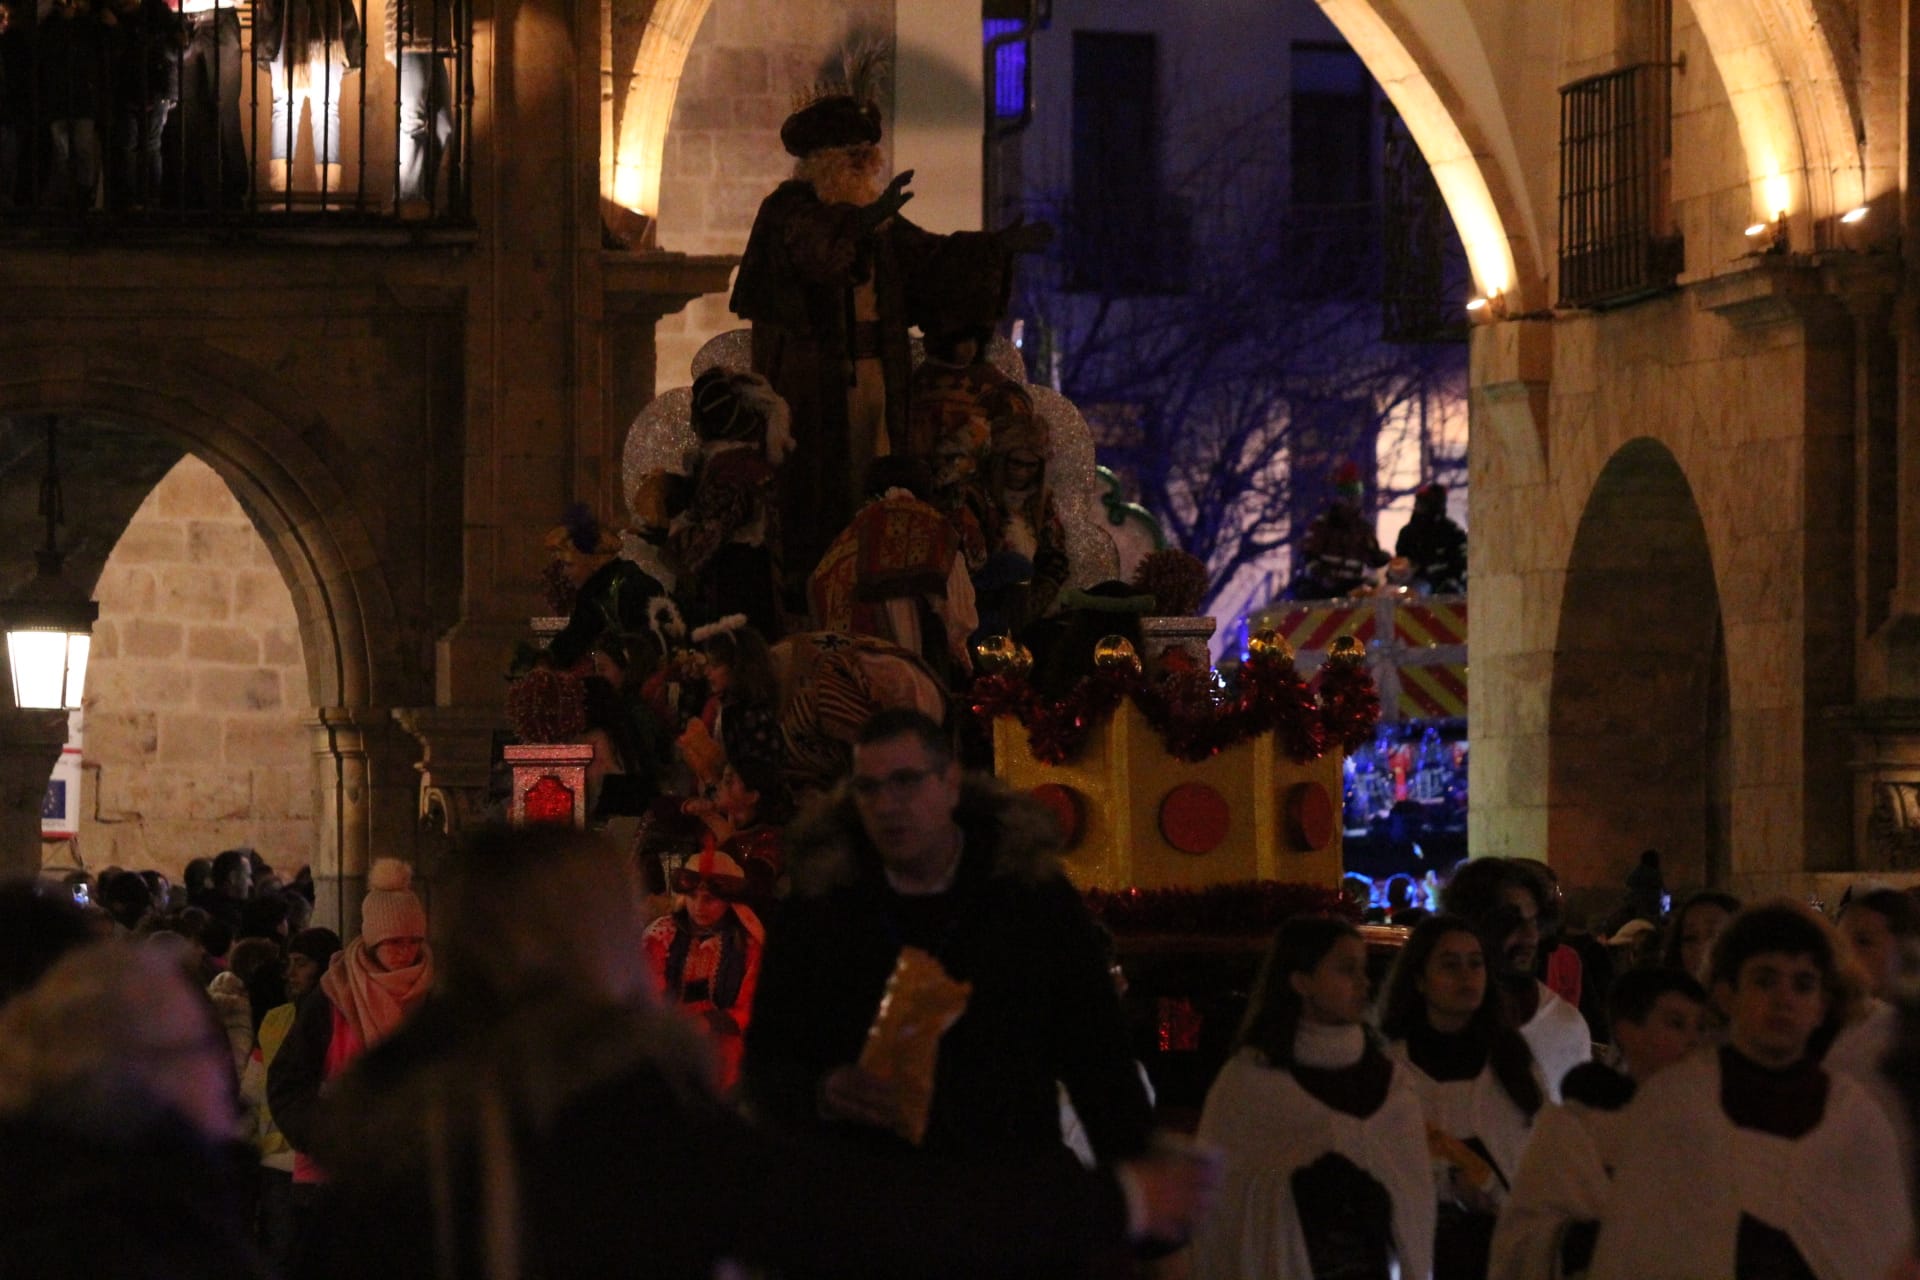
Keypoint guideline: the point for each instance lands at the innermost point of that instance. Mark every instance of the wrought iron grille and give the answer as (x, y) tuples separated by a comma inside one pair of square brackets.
[(1614, 244), (281, 112)]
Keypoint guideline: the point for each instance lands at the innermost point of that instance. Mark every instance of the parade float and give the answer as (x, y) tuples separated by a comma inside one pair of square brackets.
[(860, 502)]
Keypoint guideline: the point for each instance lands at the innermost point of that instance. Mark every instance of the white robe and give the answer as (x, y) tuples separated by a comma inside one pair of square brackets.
[(1559, 1037), (1269, 1127), (1562, 1180), (1686, 1173), (1476, 1108), (1858, 1053)]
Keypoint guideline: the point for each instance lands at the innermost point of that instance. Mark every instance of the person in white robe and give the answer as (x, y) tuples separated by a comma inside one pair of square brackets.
[(1476, 1080), (1549, 1223), (1751, 1159), (1326, 1169)]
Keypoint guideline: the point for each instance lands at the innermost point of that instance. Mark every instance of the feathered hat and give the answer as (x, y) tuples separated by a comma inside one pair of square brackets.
[(841, 109)]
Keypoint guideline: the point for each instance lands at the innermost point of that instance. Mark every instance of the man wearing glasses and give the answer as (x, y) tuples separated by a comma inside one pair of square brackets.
[(908, 853)]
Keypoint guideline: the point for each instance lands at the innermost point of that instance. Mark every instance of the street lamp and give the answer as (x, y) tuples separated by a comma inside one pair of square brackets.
[(49, 621)]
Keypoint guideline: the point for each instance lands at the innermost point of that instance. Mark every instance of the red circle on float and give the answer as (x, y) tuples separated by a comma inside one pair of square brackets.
[(1068, 808), (1309, 816), (1194, 818)]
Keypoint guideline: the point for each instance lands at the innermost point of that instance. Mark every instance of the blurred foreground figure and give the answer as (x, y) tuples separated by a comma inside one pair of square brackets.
[(539, 1116), (117, 1124)]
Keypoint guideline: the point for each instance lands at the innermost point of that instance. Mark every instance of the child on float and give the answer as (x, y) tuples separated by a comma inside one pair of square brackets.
[(1548, 1225), (1476, 1080), (705, 954), (742, 711), (1751, 1159), (1327, 1171)]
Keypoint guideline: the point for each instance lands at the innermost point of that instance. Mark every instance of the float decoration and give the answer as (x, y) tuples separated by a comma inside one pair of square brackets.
[(547, 706), (1195, 717)]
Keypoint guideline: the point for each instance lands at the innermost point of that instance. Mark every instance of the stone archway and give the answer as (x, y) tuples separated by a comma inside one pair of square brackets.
[(196, 735), (1639, 695), (282, 463)]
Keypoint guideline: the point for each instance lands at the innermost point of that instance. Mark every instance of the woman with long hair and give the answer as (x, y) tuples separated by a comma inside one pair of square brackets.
[(1476, 1079), (1326, 1155)]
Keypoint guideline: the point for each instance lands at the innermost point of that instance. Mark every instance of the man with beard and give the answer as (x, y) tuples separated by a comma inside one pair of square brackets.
[(831, 281), (1502, 900)]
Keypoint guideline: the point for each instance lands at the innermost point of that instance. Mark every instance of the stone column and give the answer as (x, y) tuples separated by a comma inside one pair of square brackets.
[(455, 765), (30, 742), (367, 799)]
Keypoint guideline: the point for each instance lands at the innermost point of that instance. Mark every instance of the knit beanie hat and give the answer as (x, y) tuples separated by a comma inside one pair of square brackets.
[(390, 909), (316, 944)]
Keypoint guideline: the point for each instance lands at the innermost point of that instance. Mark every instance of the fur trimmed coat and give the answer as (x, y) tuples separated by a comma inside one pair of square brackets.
[(1043, 1007)]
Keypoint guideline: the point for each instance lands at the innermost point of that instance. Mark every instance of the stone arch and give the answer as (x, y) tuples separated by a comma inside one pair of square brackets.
[(1790, 76), (1495, 226), (274, 464), (1639, 695), (652, 82)]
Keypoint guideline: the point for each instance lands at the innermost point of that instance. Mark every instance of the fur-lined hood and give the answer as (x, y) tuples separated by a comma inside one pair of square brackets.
[(827, 847)]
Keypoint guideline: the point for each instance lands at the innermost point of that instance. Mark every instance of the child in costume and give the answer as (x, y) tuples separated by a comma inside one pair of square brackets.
[(1477, 1083), (706, 953), (1548, 1226), (1326, 1148), (1752, 1160)]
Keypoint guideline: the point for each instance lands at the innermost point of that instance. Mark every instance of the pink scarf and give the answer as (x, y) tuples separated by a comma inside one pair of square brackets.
[(375, 1001)]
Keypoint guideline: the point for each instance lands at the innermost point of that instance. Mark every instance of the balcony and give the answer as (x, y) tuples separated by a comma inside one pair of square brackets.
[(129, 120), (1616, 242)]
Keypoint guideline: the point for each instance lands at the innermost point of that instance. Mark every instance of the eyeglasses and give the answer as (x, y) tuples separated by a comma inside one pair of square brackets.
[(899, 784)]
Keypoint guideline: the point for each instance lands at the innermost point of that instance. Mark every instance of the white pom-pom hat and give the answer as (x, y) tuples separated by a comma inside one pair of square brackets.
[(390, 909)]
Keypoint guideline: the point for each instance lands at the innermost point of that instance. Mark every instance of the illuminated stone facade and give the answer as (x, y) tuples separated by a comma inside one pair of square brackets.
[(1693, 563)]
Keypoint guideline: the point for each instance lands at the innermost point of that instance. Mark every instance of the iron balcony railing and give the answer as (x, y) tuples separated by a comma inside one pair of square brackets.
[(195, 112), (1615, 243)]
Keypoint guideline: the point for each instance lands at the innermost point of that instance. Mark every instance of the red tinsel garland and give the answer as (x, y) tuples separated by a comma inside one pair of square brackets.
[(546, 705), (1194, 718), (1254, 907)]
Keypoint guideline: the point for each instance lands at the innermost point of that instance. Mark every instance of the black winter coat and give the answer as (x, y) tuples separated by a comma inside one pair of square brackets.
[(1043, 1008), (69, 54), (144, 49)]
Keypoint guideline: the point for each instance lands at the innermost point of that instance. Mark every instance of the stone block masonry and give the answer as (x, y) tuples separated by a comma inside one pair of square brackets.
[(197, 693)]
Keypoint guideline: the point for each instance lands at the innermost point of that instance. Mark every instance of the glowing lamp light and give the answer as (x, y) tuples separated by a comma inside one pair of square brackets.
[(1856, 214), (1759, 229), (1477, 304), (49, 663), (49, 622)]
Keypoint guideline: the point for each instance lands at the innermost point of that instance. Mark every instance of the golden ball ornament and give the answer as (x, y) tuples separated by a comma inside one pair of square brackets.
[(1347, 652), (1020, 664), (1116, 653), (993, 655), (1268, 643)]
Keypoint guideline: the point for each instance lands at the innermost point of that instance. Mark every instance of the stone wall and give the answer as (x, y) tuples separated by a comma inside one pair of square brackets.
[(723, 149), (196, 736)]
